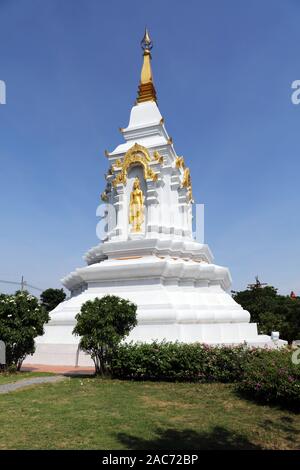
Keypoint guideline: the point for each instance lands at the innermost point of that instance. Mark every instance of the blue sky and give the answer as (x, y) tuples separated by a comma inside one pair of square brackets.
[(223, 74)]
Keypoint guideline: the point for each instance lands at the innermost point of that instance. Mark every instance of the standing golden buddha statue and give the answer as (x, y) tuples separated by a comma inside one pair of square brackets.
[(136, 207)]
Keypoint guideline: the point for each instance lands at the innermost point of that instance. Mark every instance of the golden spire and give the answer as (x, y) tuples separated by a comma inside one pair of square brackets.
[(146, 90)]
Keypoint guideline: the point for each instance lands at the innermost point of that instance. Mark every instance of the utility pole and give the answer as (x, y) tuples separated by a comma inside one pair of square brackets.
[(257, 284), (23, 284)]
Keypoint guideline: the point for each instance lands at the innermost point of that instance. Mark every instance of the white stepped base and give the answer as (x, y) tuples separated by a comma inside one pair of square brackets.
[(179, 299), (59, 355), (213, 334)]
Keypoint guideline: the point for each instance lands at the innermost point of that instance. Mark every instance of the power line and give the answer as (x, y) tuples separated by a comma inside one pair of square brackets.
[(33, 287), (23, 284)]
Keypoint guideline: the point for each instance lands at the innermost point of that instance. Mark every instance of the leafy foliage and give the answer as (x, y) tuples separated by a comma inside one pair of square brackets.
[(102, 324), (50, 298), (261, 374), (271, 376), (271, 311), (21, 320), (178, 361)]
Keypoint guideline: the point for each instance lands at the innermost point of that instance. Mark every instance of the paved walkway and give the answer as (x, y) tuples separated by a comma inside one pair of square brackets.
[(67, 370), (11, 387)]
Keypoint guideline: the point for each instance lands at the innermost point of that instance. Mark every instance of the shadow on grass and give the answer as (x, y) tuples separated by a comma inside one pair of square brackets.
[(286, 424), (80, 375), (291, 407), (218, 439)]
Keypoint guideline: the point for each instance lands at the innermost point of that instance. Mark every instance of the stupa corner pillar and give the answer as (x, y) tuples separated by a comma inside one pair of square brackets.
[(152, 203)]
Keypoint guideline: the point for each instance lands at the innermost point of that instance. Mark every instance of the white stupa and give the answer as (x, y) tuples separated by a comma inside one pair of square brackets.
[(149, 255)]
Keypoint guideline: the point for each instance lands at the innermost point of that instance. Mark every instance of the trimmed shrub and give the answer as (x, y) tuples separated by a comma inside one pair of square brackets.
[(103, 324), (178, 362), (271, 376), (260, 374)]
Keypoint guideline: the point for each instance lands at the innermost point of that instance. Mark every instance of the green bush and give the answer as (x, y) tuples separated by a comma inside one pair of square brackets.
[(271, 376), (261, 374), (271, 311), (103, 324), (179, 362), (22, 319), (50, 298)]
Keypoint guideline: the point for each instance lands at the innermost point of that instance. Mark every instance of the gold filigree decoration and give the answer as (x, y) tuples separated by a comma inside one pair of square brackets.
[(104, 196), (179, 162), (190, 194), (116, 165), (151, 174), (136, 155), (158, 157), (119, 179), (186, 180), (187, 183)]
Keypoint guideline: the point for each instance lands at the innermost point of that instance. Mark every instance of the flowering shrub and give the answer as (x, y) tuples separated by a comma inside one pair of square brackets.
[(261, 374), (21, 320), (178, 361), (271, 376)]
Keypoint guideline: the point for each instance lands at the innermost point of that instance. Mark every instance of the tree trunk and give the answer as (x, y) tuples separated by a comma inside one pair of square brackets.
[(98, 365)]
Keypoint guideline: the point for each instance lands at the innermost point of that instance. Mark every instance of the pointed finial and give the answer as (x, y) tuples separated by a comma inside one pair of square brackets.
[(146, 42), (146, 88)]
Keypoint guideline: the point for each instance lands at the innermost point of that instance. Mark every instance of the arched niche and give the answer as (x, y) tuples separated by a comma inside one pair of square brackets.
[(135, 171), (136, 155)]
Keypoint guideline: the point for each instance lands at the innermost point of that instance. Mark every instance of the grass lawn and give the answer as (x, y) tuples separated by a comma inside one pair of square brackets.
[(6, 378), (92, 413)]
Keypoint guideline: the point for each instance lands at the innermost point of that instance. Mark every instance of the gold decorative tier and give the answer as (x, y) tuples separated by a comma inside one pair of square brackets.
[(146, 90)]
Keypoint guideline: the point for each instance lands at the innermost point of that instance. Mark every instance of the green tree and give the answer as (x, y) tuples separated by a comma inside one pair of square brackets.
[(103, 324), (21, 320), (271, 311), (50, 298)]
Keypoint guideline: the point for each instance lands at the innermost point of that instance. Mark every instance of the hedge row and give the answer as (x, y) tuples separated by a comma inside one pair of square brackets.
[(271, 376), (178, 361), (268, 375)]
